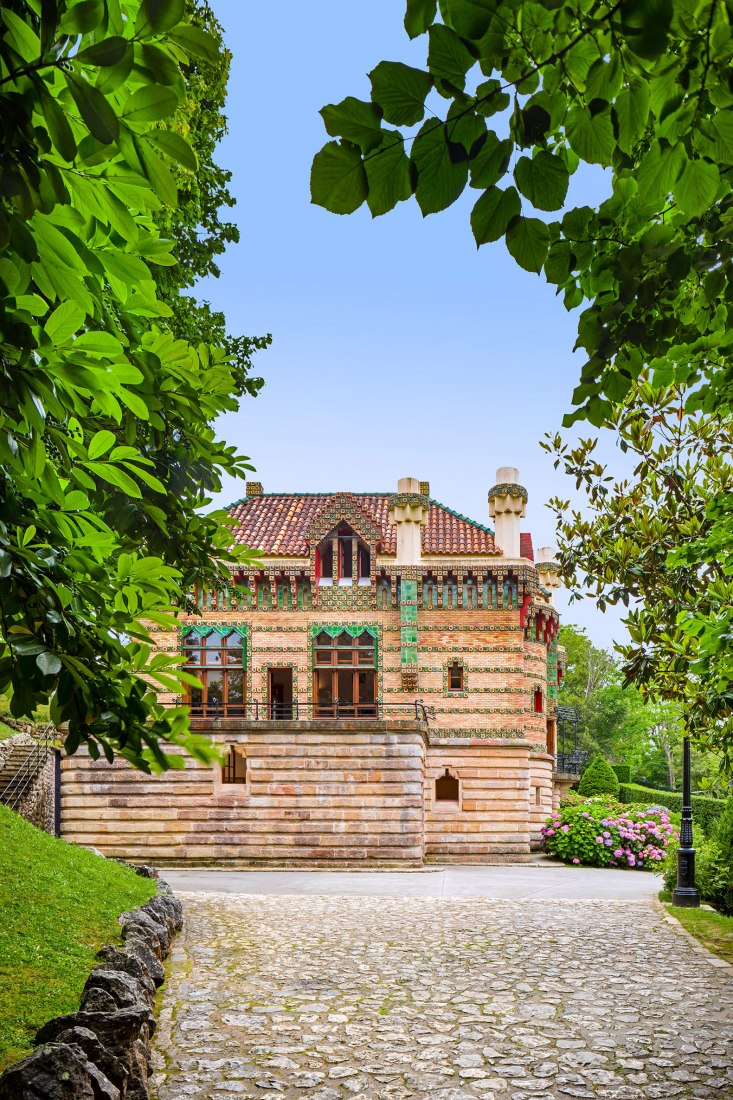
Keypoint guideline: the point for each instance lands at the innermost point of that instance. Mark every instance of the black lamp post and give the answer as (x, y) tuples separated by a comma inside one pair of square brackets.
[(685, 893)]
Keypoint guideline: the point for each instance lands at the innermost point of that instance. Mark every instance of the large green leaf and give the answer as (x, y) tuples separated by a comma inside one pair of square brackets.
[(448, 58), (156, 16), (94, 109), (174, 146), (150, 104), (58, 125), (491, 162), (543, 179), (440, 178), (65, 320), (107, 52), (528, 240), (469, 18), (388, 175), (196, 42), (493, 212), (400, 91), (338, 178), (419, 15), (696, 188), (590, 136), (355, 120), (632, 112)]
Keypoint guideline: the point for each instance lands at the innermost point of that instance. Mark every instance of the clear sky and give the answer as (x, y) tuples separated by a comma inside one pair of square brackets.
[(398, 348)]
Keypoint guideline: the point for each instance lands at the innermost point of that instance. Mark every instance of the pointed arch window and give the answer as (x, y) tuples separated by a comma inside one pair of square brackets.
[(217, 660)]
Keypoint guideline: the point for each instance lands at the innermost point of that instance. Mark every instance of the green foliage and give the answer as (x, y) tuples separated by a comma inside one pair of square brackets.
[(623, 772), (598, 778), (518, 97), (722, 835), (712, 876), (705, 811), (59, 905), (599, 832), (635, 541), (107, 453)]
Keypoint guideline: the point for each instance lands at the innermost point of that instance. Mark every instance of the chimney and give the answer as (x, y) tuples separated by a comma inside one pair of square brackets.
[(507, 504), (548, 570), (254, 488), (408, 511)]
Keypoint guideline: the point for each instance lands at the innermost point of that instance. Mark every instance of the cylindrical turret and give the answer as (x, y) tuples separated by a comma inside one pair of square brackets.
[(408, 511), (507, 505)]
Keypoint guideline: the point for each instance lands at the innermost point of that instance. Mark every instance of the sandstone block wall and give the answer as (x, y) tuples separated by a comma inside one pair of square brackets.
[(311, 796), (491, 820)]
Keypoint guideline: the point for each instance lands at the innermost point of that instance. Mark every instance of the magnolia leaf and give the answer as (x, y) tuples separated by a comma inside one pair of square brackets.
[(67, 319), (100, 443), (150, 104), (156, 16), (338, 178), (356, 121), (543, 179), (493, 212), (80, 18), (174, 146), (106, 53), (58, 126), (388, 175), (400, 91), (528, 240), (195, 41), (48, 663)]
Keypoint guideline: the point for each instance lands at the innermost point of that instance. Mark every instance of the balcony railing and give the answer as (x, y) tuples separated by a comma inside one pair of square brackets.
[(257, 710), (571, 763)]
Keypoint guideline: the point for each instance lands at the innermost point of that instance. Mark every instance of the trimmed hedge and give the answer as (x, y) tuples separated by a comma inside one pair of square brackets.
[(623, 771), (598, 778), (705, 811)]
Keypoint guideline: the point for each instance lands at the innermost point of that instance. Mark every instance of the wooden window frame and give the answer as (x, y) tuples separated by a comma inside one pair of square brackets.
[(332, 658), (201, 671)]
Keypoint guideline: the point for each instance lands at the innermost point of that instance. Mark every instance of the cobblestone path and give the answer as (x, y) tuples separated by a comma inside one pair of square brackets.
[(328, 998)]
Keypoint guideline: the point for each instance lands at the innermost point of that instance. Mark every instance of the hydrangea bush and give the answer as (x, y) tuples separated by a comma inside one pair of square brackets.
[(603, 833)]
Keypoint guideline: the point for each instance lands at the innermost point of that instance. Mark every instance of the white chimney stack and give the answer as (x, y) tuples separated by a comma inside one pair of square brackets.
[(408, 511), (548, 570), (507, 505)]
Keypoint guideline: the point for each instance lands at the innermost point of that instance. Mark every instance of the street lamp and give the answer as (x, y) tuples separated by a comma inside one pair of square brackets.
[(685, 894)]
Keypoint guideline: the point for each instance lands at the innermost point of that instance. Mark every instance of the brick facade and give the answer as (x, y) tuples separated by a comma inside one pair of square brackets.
[(426, 589)]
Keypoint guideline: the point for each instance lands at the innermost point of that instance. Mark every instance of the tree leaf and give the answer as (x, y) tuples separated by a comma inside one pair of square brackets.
[(388, 175), (94, 109), (590, 136), (400, 91), (67, 319), (150, 104), (338, 178), (420, 14), (196, 41), (493, 212), (107, 52), (632, 112), (491, 162), (355, 120), (80, 18), (100, 443), (448, 58), (48, 663), (174, 146), (58, 126), (528, 240), (156, 16), (440, 179), (543, 179), (696, 188), (469, 18)]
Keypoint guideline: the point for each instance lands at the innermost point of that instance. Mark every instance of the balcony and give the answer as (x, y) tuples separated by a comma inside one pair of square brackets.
[(257, 710)]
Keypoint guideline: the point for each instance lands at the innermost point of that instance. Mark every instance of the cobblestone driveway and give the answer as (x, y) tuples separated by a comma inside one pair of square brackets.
[(326, 998)]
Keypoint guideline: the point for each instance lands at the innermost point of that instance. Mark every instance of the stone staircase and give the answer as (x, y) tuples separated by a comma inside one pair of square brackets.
[(23, 759)]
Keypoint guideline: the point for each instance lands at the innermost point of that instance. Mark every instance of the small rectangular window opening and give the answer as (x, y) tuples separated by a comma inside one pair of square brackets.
[(455, 677), (446, 787), (537, 796), (234, 769)]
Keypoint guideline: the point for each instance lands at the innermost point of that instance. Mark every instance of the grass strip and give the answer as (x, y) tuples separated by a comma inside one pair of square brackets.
[(58, 905)]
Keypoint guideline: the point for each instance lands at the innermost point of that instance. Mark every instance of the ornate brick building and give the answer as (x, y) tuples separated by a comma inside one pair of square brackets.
[(384, 691)]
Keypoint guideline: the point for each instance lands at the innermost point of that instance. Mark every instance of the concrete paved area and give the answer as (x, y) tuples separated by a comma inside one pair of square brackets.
[(452, 998), (529, 880)]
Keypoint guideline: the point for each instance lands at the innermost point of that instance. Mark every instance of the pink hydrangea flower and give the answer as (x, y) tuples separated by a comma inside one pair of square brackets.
[(576, 861)]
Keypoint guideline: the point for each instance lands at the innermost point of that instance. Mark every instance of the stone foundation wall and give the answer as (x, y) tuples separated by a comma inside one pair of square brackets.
[(491, 819), (310, 796)]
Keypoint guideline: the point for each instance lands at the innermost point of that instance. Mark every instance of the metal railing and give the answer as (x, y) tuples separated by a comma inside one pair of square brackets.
[(23, 778), (572, 763), (257, 710)]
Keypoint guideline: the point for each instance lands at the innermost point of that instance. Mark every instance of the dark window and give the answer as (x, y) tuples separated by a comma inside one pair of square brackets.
[(345, 677), (218, 663), (234, 769), (455, 677), (538, 701), (446, 787)]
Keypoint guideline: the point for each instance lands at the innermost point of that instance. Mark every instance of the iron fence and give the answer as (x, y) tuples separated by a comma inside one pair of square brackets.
[(22, 779), (258, 710)]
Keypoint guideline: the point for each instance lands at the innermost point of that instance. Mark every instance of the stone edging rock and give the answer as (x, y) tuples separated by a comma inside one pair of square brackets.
[(700, 948), (102, 1052)]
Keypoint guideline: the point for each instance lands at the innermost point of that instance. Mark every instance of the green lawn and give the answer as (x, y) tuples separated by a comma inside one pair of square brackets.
[(712, 929), (58, 905)]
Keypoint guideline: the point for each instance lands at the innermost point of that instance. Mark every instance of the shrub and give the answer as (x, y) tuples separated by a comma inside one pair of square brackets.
[(601, 833), (572, 798), (705, 810), (598, 778), (723, 837), (711, 875), (623, 772)]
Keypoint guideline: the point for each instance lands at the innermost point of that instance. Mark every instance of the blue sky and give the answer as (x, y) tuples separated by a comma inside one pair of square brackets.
[(398, 348)]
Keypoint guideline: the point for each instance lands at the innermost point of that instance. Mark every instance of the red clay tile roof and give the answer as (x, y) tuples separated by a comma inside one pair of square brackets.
[(278, 523)]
